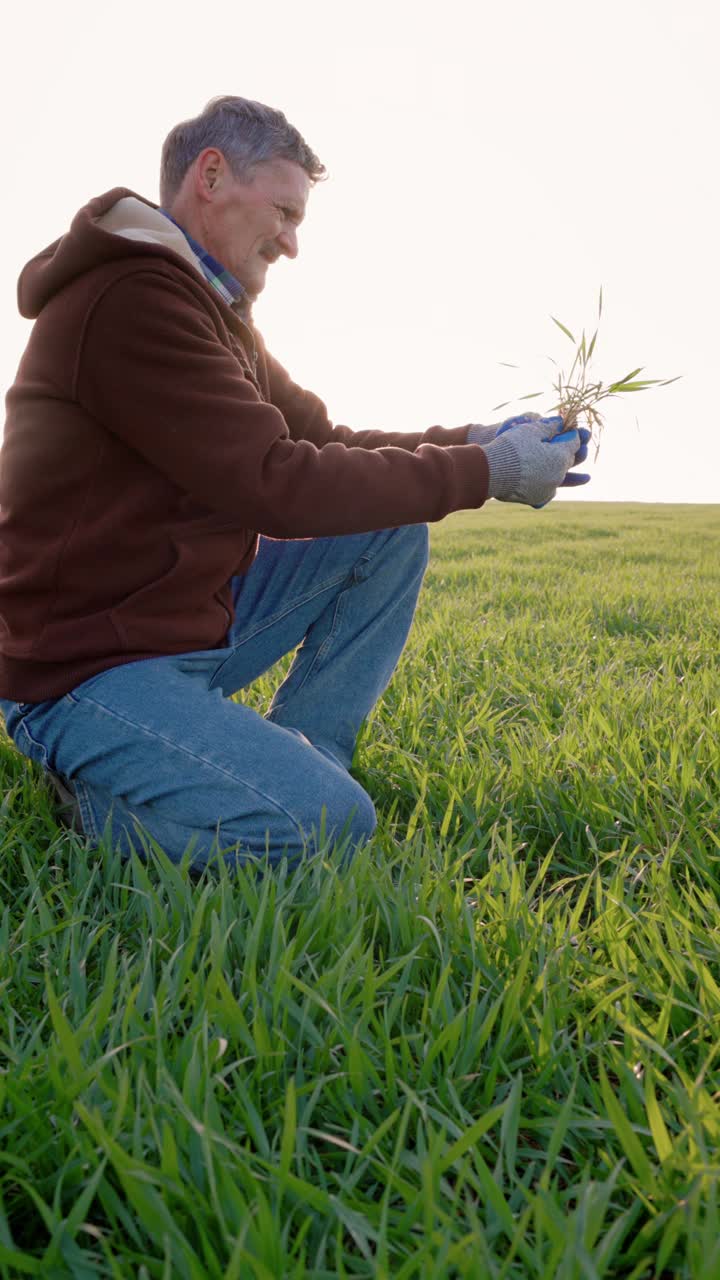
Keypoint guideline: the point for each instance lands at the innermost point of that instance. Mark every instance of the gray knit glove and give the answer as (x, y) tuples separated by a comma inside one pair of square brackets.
[(528, 462), (479, 434)]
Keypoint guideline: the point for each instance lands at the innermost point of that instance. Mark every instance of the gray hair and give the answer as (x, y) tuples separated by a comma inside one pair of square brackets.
[(245, 132)]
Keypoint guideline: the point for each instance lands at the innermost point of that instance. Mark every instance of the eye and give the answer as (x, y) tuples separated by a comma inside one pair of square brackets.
[(289, 214)]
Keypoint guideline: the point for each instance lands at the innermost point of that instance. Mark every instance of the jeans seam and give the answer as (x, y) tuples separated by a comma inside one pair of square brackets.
[(153, 733), (327, 642), (87, 817), (297, 604)]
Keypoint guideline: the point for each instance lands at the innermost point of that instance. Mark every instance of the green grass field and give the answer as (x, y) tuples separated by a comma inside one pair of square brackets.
[(491, 1048)]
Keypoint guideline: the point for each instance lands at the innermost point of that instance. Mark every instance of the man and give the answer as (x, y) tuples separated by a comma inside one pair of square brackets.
[(150, 440)]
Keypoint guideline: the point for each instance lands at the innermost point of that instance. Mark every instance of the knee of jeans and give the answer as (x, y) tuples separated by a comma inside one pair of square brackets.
[(363, 819), (350, 816)]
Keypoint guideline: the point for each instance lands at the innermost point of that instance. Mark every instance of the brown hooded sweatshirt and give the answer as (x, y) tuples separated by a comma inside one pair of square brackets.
[(149, 439)]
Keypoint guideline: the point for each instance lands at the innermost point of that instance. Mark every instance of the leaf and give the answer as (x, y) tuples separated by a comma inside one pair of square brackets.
[(470, 1137), (621, 387), (562, 1124), (532, 396), (564, 329), (628, 377), (626, 1135), (658, 1128), (287, 1146), (65, 1035), (22, 1262)]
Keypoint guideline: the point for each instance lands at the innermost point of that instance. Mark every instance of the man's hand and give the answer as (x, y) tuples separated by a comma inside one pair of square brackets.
[(530, 457), (480, 434)]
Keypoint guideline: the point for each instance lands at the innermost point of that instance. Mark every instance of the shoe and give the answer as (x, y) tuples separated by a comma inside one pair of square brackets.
[(69, 812)]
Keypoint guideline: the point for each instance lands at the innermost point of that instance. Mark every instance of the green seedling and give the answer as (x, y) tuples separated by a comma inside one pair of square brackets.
[(578, 394)]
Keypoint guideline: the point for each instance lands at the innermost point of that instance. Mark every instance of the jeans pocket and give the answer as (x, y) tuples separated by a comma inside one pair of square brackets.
[(362, 569), (19, 718), (29, 746)]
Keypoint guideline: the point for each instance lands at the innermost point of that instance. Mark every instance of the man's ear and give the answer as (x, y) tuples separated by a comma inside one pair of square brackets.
[(210, 170)]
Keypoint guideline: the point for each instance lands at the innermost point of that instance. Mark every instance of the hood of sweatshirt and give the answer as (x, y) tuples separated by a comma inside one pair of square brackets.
[(116, 225)]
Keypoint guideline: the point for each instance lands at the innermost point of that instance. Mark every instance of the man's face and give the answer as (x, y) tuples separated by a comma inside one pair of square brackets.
[(248, 225)]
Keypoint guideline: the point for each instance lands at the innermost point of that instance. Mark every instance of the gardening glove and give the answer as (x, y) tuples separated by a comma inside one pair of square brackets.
[(528, 460), (574, 478), (479, 434)]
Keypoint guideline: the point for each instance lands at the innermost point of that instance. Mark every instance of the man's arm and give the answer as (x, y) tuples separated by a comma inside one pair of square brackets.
[(154, 372)]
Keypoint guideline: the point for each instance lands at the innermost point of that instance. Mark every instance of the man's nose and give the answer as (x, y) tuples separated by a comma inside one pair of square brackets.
[(288, 242)]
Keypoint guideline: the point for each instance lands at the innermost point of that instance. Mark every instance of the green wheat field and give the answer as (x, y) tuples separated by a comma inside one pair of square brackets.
[(489, 1048)]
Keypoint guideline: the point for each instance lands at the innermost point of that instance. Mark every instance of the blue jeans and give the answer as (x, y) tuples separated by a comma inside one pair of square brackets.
[(157, 745)]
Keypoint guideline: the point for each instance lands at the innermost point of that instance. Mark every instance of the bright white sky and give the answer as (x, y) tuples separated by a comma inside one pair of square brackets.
[(490, 163)]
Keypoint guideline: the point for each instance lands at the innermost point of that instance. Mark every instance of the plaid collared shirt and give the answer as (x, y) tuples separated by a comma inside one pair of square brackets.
[(227, 286)]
